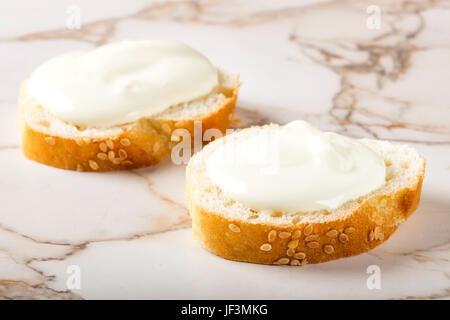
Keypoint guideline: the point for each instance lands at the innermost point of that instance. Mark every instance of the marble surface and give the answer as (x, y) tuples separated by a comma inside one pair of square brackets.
[(129, 232)]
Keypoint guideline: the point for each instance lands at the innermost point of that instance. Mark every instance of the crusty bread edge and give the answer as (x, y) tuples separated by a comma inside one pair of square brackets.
[(364, 229), (144, 144)]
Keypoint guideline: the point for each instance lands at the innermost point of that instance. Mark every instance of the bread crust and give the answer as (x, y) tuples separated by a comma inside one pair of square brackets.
[(372, 223), (143, 144)]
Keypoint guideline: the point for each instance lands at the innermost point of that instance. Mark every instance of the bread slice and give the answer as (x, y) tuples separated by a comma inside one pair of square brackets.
[(145, 142), (234, 231)]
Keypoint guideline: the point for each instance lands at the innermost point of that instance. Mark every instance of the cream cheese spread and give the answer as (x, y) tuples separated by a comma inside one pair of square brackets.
[(121, 82), (295, 168)]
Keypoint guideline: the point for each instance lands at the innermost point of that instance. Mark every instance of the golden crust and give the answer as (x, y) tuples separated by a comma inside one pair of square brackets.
[(271, 243), (143, 144)]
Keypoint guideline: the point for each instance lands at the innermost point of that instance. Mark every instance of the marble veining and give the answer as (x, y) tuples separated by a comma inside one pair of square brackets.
[(129, 232)]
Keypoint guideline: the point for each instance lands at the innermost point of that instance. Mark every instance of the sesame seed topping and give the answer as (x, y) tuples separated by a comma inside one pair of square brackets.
[(328, 249), (371, 236), (295, 262), (349, 230), (283, 261), (343, 237), (332, 233), (93, 165), (304, 262), (378, 233), (79, 141), (111, 155), (308, 230), (102, 156), (266, 247), (103, 147), (290, 252), (297, 234), (293, 244), (87, 140), (79, 167), (300, 255), (234, 228), (313, 244), (125, 142), (284, 235), (272, 235), (312, 237), (50, 140), (127, 163), (122, 154), (110, 144)]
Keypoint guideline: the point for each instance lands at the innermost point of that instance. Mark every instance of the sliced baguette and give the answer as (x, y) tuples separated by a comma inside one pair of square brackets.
[(145, 142), (234, 231)]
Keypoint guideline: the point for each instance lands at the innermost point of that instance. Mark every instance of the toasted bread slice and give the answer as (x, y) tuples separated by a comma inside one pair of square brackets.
[(145, 142), (234, 231)]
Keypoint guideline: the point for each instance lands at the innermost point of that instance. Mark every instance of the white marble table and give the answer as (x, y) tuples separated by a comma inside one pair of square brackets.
[(129, 232)]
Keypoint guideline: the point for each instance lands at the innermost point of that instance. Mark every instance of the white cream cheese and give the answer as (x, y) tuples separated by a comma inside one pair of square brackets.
[(121, 82), (295, 168)]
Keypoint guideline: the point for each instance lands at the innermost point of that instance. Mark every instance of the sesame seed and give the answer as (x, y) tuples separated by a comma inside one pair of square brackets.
[(332, 233), (103, 147), (111, 155), (300, 255), (122, 154), (50, 140), (349, 230), (290, 252), (312, 245), (378, 232), (93, 165), (266, 247), (79, 167), (125, 142), (79, 141), (312, 237), (87, 140), (272, 235), (308, 230), (295, 262), (371, 236), (328, 249), (343, 237), (127, 163), (102, 156), (110, 144), (284, 235), (283, 261), (297, 234), (293, 244), (234, 228), (304, 262)]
